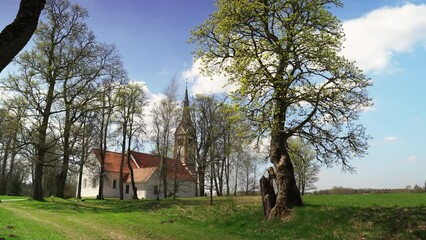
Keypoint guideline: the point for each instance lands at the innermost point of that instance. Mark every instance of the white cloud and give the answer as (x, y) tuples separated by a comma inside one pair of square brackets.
[(411, 159), (206, 84), (391, 139), (151, 99), (372, 39)]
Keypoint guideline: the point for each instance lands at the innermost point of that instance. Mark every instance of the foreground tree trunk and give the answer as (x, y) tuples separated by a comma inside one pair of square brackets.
[(123, 154), (288, 194), (16, 35), (42, 145), (106, 112), (268, 194), (82, 161), (201, 178), (132, 175)]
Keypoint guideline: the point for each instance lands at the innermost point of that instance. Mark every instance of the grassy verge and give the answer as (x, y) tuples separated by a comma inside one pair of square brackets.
[(12, 197), (375, 216)]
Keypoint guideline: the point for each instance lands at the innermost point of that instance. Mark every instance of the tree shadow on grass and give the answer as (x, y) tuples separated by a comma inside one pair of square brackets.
[(361, 223), (94, 206), (325, 222), (118, 206), (394, 223)]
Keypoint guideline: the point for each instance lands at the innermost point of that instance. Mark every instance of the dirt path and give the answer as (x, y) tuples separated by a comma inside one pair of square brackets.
[(69, 226)]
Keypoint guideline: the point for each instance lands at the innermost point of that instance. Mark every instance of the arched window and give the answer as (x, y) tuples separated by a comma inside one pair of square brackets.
[(84, 183), (114, 184), (94, 182)]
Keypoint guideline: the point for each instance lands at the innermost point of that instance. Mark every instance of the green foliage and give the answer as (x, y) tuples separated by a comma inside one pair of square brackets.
[(369, 216), (285, 58)]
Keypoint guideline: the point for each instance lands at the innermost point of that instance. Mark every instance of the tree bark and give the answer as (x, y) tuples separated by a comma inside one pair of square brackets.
[(132, 175), (268, 195), (61, 178), (15, 36), (123, 154), (228, 174), (37, 182), (83, 157), (201, 178), (106, 114), (42, 146), (175, 187), (3, 179), (12, 160), (81, 165), (288, 194), (163, 169), (236, 179)]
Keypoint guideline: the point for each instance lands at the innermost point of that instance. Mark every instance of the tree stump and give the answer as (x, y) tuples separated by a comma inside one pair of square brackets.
[(268, 195)]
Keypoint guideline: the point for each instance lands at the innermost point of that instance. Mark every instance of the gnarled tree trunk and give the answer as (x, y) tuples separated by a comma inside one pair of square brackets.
[(288, 194)]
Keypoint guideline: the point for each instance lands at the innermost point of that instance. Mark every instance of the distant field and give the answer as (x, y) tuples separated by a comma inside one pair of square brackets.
[(373, 216)]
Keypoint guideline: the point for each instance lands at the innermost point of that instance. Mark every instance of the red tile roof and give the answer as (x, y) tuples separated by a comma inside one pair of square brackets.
[(146, 165)]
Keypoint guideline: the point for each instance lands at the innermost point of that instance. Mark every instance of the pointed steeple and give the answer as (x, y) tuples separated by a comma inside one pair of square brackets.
[(185, 137), (186, 115)]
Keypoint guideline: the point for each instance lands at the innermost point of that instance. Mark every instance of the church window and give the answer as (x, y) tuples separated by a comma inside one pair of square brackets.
[(94, 182), (114, 184), (127, 189), (155, 190), (84, 183)]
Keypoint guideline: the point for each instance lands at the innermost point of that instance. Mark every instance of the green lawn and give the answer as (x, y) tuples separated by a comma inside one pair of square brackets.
[(12, 197), (374, 216)]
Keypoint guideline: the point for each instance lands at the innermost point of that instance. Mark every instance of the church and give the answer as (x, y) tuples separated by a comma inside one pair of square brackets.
[(146, 168)]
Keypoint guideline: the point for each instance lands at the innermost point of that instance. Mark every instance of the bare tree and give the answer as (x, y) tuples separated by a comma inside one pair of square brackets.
[(164, 121), (104, 113), (57, 79), (130, 103), (306, 170), (205, 115), (85, 62), (40, 69)]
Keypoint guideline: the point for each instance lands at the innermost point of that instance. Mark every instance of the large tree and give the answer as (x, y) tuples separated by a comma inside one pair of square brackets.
[(16, 35), (106, 101), (285, 58), (131, 100), (84, 62)]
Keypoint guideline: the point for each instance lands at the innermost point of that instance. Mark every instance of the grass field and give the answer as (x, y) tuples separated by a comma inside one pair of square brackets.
[(373, 216)]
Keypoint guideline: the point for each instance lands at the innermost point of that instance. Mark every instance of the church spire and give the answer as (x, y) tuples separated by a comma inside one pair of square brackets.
[(185, 137), (186, 115)]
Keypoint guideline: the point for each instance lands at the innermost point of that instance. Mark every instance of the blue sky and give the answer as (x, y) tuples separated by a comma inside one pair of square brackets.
[(387, 38)]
